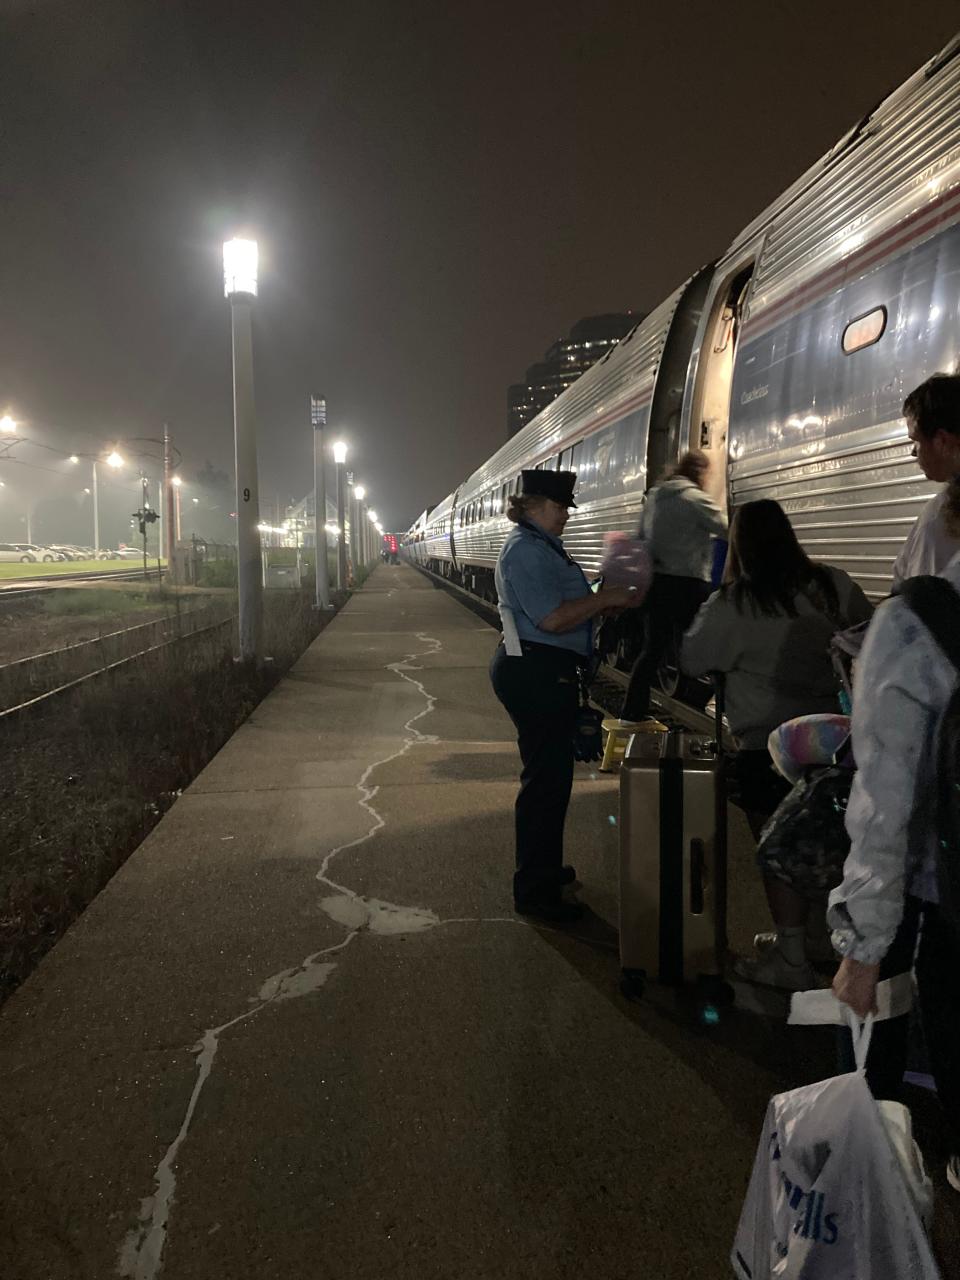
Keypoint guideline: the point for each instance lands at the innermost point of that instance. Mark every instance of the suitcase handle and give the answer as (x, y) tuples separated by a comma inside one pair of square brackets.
[(698, 860)]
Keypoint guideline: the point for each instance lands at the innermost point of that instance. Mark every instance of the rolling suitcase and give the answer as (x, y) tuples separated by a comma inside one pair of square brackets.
[(673, 872)]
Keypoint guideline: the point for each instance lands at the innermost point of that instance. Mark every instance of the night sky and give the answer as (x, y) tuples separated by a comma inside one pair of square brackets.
[(439, 191)]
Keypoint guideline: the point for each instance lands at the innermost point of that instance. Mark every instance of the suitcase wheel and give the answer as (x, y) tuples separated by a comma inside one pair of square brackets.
[(633, 983), (714, 993)]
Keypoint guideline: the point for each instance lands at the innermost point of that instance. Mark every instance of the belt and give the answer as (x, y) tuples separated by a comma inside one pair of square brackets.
[(533, 647)]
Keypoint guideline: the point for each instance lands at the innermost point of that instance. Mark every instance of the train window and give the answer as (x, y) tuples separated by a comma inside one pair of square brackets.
[(864, 331)]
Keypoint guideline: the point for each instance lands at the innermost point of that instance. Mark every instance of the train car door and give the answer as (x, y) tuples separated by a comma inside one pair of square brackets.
[(710, 415)]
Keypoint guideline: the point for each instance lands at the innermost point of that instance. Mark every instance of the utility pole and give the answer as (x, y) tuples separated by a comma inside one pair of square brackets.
[(167, 505), (318, 419)]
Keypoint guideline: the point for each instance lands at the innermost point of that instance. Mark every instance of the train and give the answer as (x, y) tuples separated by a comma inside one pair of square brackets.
[(787, 360)]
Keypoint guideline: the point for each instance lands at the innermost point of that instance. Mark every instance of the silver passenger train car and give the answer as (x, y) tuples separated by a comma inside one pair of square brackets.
[(787, 360)]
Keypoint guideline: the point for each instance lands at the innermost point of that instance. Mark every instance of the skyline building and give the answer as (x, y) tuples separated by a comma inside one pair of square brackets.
[(588, 341)]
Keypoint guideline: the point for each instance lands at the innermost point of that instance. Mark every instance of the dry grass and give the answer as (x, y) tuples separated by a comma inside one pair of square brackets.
[(87, 775)]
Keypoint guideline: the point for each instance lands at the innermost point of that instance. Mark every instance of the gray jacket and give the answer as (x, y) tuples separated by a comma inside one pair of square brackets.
[(776, 668), (902, 685), (679, 522)]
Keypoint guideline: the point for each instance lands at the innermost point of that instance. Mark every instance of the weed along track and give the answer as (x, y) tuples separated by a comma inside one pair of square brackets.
[(94, 760)]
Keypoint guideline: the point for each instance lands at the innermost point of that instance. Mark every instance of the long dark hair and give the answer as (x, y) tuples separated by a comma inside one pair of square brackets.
[(767, 567)]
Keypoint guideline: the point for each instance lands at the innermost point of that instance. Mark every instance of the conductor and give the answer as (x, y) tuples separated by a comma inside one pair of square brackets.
[(546, 611)]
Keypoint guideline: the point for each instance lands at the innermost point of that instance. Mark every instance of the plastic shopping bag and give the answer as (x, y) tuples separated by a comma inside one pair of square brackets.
[(829, 1197)]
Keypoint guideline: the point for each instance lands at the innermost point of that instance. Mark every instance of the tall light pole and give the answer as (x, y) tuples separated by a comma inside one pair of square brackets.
[(318, 419), (114, 460), (359, 492), (340, 457), (240, 286)]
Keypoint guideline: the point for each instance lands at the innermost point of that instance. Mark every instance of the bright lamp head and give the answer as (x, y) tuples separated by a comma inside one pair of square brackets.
[(7, 424), (339, 453), (114, 460), (177, 481), (372, 517), (359, 492), (240, 268)]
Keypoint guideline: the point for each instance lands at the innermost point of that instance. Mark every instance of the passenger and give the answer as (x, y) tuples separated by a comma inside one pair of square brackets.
[(546, 608), (932, 411), (894, 884), (768, 630), (679, 523)]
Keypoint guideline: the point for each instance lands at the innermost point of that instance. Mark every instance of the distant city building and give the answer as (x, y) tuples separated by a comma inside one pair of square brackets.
[(590, 339)]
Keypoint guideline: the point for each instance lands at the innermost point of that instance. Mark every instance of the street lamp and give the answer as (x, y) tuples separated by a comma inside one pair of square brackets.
[(113, 460), (340, 457), (359, 492), (7, 425), (240, 287), (318, 420)]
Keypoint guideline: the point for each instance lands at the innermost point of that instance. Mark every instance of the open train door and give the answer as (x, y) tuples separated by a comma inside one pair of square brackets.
[(709, 416)]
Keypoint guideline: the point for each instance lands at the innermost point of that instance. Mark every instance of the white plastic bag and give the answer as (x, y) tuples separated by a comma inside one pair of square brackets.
[(828, 1198)]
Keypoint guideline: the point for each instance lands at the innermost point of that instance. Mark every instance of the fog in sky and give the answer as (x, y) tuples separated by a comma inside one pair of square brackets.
[(439, 190)]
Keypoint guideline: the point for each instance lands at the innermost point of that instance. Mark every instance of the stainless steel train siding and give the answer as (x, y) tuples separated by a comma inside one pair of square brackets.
[(834, 302), (871, 235)]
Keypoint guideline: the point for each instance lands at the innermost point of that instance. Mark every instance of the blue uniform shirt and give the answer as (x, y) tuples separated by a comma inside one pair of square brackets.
[(532, 580)]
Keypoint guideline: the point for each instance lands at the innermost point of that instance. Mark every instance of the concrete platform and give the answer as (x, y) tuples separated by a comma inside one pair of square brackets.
[(301, 1033)]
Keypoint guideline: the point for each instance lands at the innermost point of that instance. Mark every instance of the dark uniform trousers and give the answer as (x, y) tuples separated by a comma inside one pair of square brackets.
[(669, 610), (930, 946), (539, 691)]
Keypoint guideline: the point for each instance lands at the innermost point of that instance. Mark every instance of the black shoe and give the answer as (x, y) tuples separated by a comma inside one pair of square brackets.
[(553, 910), (568, 875)]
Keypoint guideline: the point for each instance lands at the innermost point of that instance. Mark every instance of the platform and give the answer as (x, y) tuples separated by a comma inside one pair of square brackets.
[(301, 1033)]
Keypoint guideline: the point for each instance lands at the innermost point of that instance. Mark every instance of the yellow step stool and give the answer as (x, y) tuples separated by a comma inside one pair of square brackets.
[(618, 734)]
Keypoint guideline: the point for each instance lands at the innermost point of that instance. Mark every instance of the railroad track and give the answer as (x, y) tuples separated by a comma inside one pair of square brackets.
[(28, 682), (608, 687), (21, 589)]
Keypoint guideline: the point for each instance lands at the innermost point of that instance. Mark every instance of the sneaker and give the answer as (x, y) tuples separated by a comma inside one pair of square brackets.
[(774, 970), (818, 948), (552, 910), (953, 1172)]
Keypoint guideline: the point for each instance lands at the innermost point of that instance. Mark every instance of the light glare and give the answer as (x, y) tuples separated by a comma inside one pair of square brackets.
[(372, 517), (177, 481), (74, 458), (7, 424), (240, 267), (339, 453), (360, 491), (114, 459)]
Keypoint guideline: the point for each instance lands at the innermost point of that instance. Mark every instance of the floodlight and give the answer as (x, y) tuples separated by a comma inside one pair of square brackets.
[(74, 458), (359, 492), (177, 481), (240, 268), (339, 453), (7, 424), (372, 517), (114, 460)]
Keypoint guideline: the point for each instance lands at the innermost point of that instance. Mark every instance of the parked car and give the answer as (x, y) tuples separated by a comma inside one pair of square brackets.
[(32, 552), (67, 552), (11, 552), (129, 553)]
